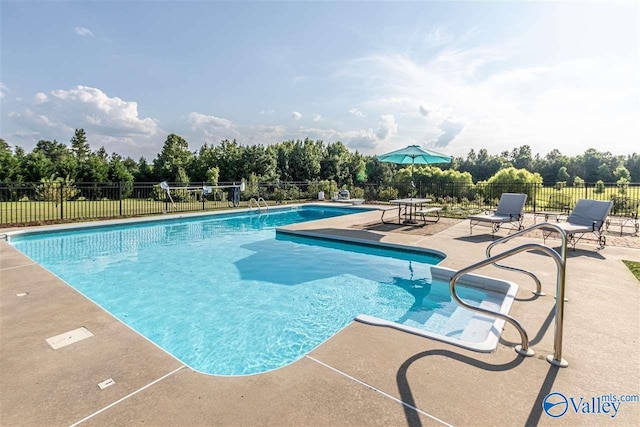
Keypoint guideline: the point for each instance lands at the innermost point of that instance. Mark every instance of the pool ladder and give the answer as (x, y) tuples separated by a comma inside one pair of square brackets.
[(257, 201), (561, 263)]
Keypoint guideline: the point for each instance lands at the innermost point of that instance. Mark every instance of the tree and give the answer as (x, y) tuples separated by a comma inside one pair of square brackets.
[(79, 145), (175, 154), (563, 176), (632, 163), (119, 173), (9, 164), (521, 157), (604, 173)]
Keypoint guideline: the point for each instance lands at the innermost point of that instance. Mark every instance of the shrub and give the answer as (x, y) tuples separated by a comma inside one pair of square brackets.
[(56, 189), (357, 193), (560, 185), (387, 194), (599, 187), (512, 180), (623, 185), (578, 182)]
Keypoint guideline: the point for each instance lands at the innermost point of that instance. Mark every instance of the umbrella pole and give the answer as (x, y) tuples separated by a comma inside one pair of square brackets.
[(412, 185)]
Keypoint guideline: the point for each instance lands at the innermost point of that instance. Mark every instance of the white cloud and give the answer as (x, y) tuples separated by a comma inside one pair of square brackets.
[(4, 90), (84, 32), (265, 135), (366, 140), (267, 112), (387, 127), (212, 127), (357, 112), (296, 116), (574, 104), (40, 98), (450, 129), (317, 117), (109, 121)]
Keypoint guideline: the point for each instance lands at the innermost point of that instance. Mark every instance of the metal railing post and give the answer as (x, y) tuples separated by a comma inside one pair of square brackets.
[(120, 195), (61, 202)]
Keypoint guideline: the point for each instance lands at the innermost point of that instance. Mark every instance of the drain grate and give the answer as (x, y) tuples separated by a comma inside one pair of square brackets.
[(106, 383), (68, 338)]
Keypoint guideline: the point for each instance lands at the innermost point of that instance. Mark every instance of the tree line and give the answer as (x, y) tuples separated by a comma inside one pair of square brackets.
[(299, 160)]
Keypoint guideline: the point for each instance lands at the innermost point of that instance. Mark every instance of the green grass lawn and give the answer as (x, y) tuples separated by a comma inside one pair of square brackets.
[(634, 266)]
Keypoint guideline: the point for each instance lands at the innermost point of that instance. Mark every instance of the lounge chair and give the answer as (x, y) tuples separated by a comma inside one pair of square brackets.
[(587, 216), (341, 196), (344, 196), (508, 212)]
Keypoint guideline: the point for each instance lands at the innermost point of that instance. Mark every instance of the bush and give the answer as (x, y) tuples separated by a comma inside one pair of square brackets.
[(599, 187), (387, 194), (560, 185), (357, 193), (56, 189), (511, 180), (623, 185), (578, 182)]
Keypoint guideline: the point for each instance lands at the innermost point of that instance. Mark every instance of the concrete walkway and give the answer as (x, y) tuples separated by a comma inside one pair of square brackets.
[(364, 375)]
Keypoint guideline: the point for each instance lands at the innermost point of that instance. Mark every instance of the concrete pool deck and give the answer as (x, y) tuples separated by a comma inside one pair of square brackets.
[(364, 375)]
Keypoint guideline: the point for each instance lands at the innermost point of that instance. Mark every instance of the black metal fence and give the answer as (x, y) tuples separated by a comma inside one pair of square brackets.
[(44, 202)]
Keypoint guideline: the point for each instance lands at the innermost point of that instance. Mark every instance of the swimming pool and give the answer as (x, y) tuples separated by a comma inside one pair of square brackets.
[(227, 296)]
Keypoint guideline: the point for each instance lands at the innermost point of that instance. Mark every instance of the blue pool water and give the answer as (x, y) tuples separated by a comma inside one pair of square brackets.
[(227, 296)]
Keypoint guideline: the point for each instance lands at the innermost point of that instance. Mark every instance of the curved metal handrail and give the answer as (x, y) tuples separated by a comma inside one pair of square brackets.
[(266, 206), (251, 202), (523, 349), (505, 239)]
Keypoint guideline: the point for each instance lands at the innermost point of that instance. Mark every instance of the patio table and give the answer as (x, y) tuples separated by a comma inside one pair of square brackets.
[(407, 207)]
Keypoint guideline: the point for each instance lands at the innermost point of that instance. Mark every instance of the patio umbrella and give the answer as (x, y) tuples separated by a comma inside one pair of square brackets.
[(414, 154)]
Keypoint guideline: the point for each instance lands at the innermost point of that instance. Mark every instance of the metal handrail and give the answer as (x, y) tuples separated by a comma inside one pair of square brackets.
[(560, 260), (266, 206), (257, 202), (505, 239), (251, 202)]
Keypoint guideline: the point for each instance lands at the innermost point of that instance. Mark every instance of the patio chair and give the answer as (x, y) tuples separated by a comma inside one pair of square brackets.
[(624, 213), (588, 216), (508, 212)]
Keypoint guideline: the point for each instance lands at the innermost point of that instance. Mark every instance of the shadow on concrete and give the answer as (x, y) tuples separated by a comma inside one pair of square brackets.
[(477, 238), (544, 328), (536, 410), (404, 388)]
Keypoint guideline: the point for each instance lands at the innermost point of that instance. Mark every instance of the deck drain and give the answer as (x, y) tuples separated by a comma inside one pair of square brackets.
[(106, 383), (68, 338), (22, 294)]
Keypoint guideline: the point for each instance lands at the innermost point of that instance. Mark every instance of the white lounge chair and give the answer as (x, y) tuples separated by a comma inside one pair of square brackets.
[(344, 196), (509, 211), (587, 216)]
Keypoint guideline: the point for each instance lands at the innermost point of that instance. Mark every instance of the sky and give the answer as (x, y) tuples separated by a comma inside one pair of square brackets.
[(450, 76)]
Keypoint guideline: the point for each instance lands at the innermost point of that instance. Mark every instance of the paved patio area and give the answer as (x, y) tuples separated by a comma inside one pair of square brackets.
[(364, 375)]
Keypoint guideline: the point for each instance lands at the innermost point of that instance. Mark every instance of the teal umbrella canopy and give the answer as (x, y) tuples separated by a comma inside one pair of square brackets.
[(414, 154)]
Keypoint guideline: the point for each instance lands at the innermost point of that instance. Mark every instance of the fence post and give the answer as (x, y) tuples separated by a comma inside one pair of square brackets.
[(120, 195), (202, 195), (61, 201)]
